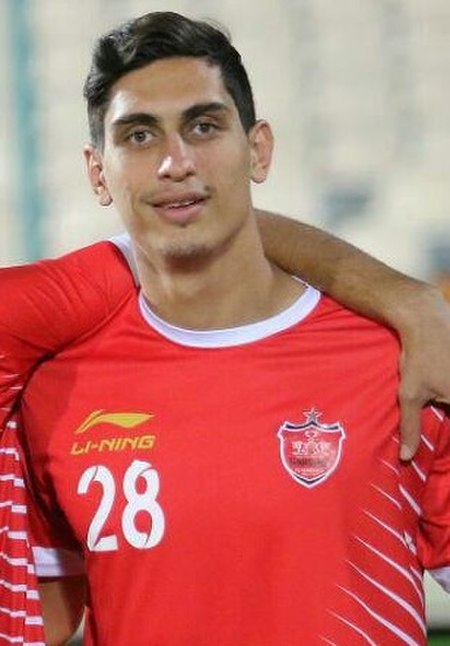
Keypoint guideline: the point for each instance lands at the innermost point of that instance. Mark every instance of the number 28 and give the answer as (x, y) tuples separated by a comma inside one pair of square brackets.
[(138, 502)]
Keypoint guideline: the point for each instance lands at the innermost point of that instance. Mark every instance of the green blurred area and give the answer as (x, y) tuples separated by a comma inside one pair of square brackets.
[(441, 639)]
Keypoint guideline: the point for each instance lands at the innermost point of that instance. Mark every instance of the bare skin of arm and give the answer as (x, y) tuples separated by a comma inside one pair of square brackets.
[(416, 310), (63, 602)]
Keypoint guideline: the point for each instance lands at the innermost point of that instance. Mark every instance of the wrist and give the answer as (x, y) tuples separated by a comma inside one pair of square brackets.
[(413, 302)]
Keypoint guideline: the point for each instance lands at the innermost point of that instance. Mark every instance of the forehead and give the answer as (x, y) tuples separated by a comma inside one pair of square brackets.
[(167, 87)]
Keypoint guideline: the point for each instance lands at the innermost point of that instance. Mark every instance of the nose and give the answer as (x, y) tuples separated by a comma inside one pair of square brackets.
[(177, 160)]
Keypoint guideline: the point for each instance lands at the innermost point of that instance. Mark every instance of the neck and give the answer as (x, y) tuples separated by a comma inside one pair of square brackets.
[(233, 287)]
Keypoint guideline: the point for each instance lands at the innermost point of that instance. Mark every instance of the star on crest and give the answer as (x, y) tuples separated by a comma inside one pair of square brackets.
[(312, 415)]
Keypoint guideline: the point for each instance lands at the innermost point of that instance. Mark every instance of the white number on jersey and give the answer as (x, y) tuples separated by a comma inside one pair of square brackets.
[(102, 475), (142, 501)]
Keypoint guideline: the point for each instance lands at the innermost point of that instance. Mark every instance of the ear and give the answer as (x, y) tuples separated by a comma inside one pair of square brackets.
[(94, 164), (261, 148)]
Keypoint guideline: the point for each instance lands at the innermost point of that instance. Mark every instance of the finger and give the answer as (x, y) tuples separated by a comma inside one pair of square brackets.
[(410, 427), (441, 400)]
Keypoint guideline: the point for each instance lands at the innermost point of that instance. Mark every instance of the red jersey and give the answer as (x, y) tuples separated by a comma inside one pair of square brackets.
[(238, 487), (43, 307)]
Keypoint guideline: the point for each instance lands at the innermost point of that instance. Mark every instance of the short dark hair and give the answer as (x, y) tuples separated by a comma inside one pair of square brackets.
[(154, 36)]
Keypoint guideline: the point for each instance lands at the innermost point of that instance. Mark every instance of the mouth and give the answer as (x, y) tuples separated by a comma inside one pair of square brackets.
[(181, 208)]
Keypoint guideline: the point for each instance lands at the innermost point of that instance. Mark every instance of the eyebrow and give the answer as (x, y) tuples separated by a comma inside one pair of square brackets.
[(148, 119), (135, 117), (203, 108)]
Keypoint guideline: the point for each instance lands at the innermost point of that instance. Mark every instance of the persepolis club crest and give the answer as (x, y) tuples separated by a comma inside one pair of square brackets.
[(311, 451)]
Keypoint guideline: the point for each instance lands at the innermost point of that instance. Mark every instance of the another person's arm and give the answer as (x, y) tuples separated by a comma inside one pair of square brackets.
[(415, 309), (47, 304), (58, 559), (63, 602)]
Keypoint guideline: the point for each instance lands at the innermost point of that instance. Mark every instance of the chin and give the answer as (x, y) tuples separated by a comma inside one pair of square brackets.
[(184, 254), (187, 252)]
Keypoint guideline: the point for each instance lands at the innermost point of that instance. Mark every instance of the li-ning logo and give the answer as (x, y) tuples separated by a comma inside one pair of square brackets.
[(310, 452), (121, 443)]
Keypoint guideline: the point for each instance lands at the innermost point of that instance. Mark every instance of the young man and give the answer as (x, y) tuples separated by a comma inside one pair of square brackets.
[(203, 497)]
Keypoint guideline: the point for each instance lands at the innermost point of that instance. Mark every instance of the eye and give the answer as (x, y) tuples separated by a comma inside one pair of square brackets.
[(204, 128), (140, 136)]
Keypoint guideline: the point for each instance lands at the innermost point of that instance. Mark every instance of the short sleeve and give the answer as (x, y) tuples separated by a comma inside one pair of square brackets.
[(56, 552)]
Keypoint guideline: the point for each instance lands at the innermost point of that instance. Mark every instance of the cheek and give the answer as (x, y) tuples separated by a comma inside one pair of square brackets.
[(237, 178), (227, 167), (122, 181)]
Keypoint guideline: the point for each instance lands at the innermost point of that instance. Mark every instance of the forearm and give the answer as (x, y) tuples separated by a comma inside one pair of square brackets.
[(416, 310), (351, 276), (62, 606)]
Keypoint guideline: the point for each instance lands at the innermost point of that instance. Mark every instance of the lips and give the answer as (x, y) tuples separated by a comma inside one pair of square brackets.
[(180, 207), (178, 201)]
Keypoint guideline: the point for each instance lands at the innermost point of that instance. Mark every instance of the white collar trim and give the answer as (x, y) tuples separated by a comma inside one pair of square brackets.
[(240, 335)]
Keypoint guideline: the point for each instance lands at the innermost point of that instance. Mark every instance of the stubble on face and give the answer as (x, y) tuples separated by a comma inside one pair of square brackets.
[(186, 250)]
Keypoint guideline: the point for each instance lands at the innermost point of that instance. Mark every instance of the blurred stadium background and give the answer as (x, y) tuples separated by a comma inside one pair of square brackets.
[(357, 91)]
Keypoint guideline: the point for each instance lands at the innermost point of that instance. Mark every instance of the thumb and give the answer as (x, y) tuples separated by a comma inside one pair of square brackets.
[(410, 426)]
